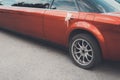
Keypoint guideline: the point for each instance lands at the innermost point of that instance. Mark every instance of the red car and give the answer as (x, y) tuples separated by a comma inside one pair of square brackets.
[(89, 28)]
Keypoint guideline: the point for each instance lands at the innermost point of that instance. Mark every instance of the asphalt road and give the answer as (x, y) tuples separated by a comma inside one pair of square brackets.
[(27, 59)]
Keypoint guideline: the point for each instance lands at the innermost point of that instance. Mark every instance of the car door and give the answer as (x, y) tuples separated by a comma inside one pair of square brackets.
[(55, 20), (25, 16)]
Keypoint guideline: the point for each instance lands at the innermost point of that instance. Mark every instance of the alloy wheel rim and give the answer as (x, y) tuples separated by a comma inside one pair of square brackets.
[(82, 52)]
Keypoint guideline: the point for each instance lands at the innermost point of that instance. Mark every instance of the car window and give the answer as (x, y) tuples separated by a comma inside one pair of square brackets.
[(64, 5), (27, 3), (86, 6), (117, 1), (99, 6)]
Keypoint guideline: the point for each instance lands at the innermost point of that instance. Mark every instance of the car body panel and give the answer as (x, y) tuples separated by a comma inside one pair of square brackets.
[(55, 26), (25, 20), (51, 25), (109, 25), (87, 25)]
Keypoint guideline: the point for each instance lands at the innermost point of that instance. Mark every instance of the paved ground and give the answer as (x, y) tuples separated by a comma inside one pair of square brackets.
[(27, 59)]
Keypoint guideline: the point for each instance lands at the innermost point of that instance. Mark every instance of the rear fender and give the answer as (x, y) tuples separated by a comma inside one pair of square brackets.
[(90, 28)]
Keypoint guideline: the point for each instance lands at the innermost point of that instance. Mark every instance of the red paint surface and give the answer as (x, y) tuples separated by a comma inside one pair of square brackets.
[(51, 25)]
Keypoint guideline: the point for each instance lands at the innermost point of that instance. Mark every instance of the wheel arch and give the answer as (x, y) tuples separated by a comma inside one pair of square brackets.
[(78, 31), (95, 36)]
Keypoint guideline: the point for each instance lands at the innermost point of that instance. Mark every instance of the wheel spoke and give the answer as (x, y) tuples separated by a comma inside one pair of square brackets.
[(83, 45), (80, 46), (89, 55), (82, 42), (89, 50), (83, 60), (76, 47), (86, 46), (77, 52), (87, 58), (78, 57)]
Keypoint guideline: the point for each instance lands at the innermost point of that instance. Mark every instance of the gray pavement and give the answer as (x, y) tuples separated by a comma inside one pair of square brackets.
[(27, 59)]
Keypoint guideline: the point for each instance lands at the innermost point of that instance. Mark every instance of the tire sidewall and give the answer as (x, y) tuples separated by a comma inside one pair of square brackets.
[(96, 50)]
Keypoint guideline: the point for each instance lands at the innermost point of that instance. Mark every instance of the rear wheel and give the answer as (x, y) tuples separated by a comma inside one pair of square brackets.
[(84, 51)]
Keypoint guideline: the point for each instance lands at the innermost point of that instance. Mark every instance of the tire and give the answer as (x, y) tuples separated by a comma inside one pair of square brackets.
[(84, 51)]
